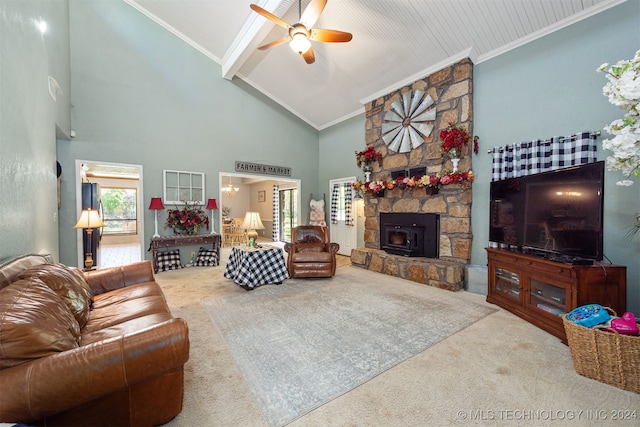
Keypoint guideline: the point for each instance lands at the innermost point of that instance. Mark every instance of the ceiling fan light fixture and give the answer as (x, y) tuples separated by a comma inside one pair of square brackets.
[(300, 43), (301, 33)]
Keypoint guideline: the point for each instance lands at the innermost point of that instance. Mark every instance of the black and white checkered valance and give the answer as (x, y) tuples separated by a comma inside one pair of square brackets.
[(529, 157)]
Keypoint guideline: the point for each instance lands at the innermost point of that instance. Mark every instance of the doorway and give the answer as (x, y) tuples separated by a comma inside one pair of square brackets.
[(241, 193), (343, 233), (121, 241)]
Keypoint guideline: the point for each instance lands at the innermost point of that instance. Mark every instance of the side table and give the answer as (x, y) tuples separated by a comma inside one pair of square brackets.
[(251, 267), (171, 241)]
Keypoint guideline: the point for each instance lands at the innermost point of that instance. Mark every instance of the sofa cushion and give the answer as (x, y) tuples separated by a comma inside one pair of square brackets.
[(34, 322), (124, 328), (116, 296), (68, 283), (206, 258), (314, 257), (169, 260), (125, 304)]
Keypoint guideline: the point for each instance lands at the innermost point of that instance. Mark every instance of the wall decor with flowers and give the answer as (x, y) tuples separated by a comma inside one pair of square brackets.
[(366, 158), (455, 140), (431, 183), (188, 220)]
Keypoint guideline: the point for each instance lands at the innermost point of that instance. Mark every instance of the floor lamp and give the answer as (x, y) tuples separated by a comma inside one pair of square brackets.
[(213, 205), (156, 205), (89, 219)]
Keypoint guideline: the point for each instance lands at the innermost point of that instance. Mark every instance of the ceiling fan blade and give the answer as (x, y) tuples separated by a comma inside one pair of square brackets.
[(329, 35), (274, 43), (312, 12), (309, 56), (270, 16)]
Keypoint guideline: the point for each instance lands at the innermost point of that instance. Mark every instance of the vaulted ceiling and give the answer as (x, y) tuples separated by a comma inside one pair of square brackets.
[(395, 42)]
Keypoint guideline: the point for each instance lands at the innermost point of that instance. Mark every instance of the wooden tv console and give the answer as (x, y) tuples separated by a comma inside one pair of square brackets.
[(540, 290)]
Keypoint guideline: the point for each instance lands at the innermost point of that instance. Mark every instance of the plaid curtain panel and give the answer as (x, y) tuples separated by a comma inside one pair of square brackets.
[(275, 232), (348, 218), (335, 194), (526, 158)]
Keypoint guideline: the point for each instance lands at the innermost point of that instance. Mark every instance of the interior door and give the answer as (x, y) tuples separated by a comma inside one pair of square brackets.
[(342, 233)]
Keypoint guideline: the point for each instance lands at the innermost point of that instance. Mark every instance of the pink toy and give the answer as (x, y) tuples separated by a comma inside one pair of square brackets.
[(626, 324)]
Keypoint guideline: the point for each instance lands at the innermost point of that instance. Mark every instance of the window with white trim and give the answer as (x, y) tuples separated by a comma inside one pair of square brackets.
[(181, 186)]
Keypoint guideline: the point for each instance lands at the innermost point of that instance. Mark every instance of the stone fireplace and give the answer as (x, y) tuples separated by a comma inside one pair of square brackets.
[(395, 252)]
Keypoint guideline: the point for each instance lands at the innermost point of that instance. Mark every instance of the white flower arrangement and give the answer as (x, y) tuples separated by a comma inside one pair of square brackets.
[(623, 90)]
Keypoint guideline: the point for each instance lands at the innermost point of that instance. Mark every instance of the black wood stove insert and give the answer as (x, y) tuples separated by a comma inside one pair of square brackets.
[(410, 234)]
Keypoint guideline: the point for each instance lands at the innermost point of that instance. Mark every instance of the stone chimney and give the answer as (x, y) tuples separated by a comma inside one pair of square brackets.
[(452, 90)]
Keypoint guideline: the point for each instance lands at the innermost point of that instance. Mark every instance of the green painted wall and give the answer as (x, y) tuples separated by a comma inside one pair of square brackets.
[(545, 88), (29, 121), (551, 87), (143, 96), (337, 146)]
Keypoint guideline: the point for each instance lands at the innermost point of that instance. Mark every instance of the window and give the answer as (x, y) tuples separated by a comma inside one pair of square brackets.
[(341, 213), (181, 187), (119, 210), (288, 215)]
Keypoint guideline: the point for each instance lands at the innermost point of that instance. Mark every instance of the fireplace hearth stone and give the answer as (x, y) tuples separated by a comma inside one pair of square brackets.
[(439, 273)]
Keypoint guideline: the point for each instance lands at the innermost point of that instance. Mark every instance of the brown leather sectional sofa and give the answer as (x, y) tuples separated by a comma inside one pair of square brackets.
[(97, 348)]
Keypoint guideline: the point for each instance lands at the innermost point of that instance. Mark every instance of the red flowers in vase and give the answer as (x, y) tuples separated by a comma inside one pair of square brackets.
[(368, 156), (454, 139)]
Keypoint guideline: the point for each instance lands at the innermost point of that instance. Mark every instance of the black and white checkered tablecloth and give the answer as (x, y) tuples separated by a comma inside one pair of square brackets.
[(252, 267)]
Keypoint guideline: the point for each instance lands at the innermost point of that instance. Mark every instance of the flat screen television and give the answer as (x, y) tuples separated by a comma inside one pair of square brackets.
[(551, 214)]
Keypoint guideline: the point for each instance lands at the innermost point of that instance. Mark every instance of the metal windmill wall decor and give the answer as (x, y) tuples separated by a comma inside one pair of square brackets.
[(408, 121)]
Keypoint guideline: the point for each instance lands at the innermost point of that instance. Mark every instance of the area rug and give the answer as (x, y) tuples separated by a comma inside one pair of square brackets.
[(306, 342)]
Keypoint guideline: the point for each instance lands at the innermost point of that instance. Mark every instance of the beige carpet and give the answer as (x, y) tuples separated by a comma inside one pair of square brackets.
[(499, 371)]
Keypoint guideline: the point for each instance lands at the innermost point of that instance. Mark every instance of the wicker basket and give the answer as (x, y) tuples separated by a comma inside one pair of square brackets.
[(605, 355)]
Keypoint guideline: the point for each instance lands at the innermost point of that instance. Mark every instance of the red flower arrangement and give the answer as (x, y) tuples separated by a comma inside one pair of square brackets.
[(444, 177), (188, 219), (368, 156), (464, 178), (455, 138), (372, 186), (405, 182), (429, 181)]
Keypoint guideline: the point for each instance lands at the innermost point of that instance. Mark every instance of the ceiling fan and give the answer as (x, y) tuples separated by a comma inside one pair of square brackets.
[(301, 34)]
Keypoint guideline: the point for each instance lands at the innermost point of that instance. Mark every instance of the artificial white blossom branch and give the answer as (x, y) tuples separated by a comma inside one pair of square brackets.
[(623, 90)]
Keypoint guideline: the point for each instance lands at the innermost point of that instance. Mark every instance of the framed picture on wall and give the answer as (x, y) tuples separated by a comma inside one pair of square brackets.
[(261, 196)]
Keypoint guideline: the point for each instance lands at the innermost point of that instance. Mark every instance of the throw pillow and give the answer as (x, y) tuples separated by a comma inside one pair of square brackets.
[(69, 285), (206, 258), (169, 260), (35, 323)]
